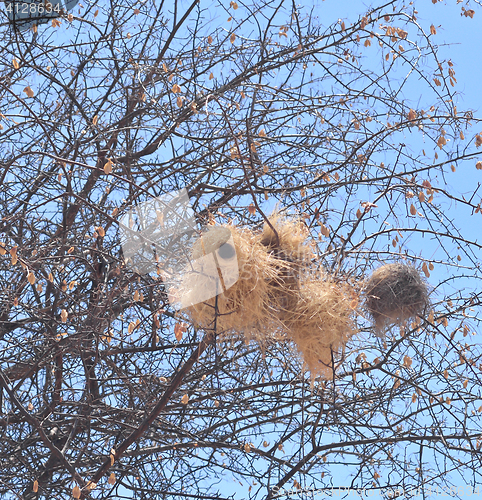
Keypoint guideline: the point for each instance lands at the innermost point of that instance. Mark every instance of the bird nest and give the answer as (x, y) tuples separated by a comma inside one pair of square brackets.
[(274, 297), (395, 293)]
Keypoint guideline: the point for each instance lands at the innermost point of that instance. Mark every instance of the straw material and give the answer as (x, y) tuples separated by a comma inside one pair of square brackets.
[(245, 306), (393, 294), (275, 297), (321, 323)]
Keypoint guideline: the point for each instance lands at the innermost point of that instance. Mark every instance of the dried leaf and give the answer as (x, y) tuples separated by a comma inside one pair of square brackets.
[(29, 91), (95, 120), (232, 38), (64, 315), (15, 63), (111, 479), (108, 167), (179, 329), (76, 492), (31, 277), (433, 31), (413, 210), (425, 270), (185, 399), (176, 89)]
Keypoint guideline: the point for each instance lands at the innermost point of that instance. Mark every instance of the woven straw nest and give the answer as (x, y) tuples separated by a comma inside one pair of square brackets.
[(273, 297), (395, 293)]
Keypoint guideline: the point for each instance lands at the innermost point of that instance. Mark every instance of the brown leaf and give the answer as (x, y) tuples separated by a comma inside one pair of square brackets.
[(29, 91), (179, 330), (413, 210), (76, 492), (111, 479), (433, 31), (252, 209), (64, 315), (185, 399), (425, 270), (232, 38), (31, 277), (15, 63)]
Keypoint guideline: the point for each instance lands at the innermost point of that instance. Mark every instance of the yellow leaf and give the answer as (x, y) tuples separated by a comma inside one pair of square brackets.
[(55, 23), (31, 277), (29, 91), (108, 167), (15, 63), (76, 492), (35, 486), (233, 38), (185, 399), (111, 479)]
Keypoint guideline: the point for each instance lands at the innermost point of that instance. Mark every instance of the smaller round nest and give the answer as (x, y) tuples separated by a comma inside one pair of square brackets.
[(394, 293)]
